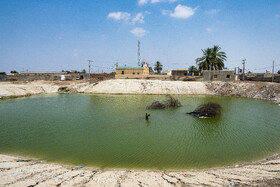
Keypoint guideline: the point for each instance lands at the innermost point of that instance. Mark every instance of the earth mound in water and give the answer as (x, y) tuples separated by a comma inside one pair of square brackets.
[(207, 110), (171, 102)]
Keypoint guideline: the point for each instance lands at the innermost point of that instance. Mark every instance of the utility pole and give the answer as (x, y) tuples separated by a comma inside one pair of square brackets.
[(89, 61), (273, 72), (139, 58), (243, 77)]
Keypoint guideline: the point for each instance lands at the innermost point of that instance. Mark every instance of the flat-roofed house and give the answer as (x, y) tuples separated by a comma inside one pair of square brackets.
[(219, 75), (132, 72)]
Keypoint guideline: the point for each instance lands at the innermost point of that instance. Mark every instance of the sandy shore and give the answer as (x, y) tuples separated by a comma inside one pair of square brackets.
[(16, 171), (267, 91)]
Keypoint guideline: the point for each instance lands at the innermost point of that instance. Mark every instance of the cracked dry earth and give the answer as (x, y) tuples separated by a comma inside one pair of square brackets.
[(16, 171)]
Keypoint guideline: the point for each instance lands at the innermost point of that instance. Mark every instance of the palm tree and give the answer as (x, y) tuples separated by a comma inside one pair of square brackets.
[(193, 69), (218, 58), (212, 59), (204, 62), (158, 67)]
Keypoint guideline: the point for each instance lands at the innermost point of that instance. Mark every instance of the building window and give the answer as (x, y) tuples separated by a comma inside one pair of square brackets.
[(122, 72), (228, 76), (137, 73), (215, 76), (133, 73)]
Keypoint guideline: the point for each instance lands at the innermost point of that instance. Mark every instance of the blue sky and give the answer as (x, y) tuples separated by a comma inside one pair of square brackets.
[(51, 35)]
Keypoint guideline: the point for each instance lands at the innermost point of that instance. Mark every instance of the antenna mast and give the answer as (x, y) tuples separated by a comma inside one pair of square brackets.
[(139, 58)]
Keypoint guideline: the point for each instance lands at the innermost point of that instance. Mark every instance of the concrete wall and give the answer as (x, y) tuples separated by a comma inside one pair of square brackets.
[(3, 77), (33, 76), (102, 76), (152, 77), (262, 77), (132, 71), (180, 73), (219, 75)]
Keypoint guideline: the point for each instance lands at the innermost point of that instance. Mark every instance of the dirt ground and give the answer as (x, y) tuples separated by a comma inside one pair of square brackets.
[(19, 171)]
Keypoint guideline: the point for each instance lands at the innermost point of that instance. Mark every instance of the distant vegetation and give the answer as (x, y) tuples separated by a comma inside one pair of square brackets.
[(83, 71), (158, 67), (193, 69), (14, 72), (170, 102), (212, 59), (278, 71), (2, 73)]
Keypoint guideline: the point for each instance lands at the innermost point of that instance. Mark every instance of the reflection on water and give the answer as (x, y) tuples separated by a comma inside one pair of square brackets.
[(110, 131)]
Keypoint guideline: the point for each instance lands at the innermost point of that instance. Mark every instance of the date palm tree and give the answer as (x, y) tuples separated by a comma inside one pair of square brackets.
[(193, 69), (218, 58), (212, 59), (158, 67)]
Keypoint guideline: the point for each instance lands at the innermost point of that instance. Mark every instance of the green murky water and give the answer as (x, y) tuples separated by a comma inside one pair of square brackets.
[(110, 131)]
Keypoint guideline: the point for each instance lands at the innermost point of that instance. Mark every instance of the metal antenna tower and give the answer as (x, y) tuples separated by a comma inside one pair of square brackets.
[(89, 61), (243, 76), (139, 58)]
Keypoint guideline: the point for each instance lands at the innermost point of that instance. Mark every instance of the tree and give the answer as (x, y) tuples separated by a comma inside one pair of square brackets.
[(193, 69), (2, 73), (158, 67), (278, 71), (14, 72), (84, 71), (212, 59)]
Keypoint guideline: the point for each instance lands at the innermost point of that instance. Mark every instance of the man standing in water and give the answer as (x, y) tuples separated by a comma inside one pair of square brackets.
[(147, 116)]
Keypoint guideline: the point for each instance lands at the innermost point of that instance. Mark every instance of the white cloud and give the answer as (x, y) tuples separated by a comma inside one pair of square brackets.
[(139, 32), (142, 2), (119, 16), (159, 1), (166, 12), (213, 11), (208, 29), (138, 18), (182, 12)]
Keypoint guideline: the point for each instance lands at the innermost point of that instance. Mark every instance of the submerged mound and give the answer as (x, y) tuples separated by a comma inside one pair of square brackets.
[(207, 110), (171, 102), (156, 105)]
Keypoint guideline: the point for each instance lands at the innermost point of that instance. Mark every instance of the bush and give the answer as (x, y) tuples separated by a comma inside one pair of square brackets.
[(171, 102), (156, 105), (14, 71), (207, 110)]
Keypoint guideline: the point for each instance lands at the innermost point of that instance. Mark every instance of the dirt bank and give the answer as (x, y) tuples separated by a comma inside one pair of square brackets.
[(268, 91), (257, 90), (16, 171), (130, 86), (23, 89)]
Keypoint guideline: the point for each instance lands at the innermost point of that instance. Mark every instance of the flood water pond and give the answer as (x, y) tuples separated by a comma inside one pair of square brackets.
[(110, 131)]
